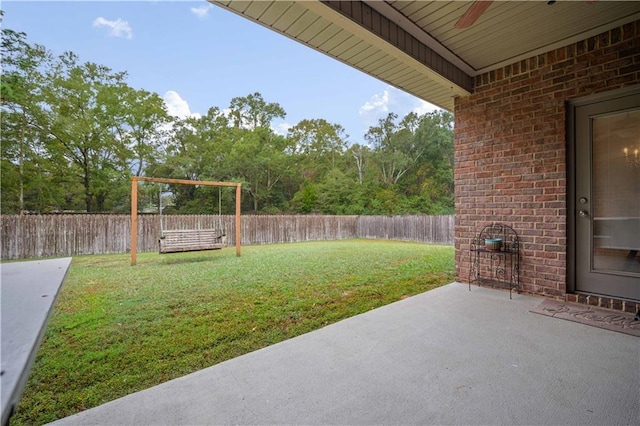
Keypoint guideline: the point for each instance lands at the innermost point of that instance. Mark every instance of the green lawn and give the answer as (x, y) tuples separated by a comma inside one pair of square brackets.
[(118, 329)]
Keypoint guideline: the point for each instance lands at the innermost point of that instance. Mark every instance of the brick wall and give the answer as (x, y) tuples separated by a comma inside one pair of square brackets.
[(510, 141)]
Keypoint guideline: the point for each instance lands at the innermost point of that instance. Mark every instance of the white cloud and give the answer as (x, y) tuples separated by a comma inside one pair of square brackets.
[(377, 103), (394, 100), (201, 11), (226, 112), (281, 128), (117, 28), (377, 107), (177, 106), (424, 107), (391, 100)]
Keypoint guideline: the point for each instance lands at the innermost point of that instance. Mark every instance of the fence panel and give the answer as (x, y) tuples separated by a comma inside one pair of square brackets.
[(35, 236), (427, 229)]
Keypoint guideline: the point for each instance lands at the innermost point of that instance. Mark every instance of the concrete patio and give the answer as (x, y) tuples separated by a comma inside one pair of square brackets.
[(448, 356)]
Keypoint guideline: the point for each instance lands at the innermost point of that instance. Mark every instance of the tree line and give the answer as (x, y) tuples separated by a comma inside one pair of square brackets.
[(74, 133)]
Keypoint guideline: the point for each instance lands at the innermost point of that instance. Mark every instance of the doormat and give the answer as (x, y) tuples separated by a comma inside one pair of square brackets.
[(616, 321)]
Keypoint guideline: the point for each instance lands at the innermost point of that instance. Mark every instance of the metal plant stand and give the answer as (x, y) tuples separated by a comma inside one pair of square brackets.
[(495, 257)]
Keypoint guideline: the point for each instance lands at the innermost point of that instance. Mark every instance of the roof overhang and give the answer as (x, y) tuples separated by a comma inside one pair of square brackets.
[(414, 45)]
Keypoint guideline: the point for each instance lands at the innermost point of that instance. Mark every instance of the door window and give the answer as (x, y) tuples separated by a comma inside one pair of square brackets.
[(616, 192)]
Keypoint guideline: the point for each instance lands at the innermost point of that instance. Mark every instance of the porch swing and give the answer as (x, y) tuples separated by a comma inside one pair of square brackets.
[(184, 240)]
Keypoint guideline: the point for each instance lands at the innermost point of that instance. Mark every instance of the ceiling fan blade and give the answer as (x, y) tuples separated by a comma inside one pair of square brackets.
[(473, 13)]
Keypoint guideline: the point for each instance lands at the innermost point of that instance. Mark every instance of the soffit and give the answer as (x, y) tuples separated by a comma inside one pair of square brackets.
[(506, 32), (509, 31), (328, 31)]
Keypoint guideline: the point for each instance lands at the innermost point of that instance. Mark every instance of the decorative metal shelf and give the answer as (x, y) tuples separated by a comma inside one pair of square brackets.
[(498, 266)]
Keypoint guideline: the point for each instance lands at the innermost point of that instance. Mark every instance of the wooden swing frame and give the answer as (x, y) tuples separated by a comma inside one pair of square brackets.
[(134, 206)]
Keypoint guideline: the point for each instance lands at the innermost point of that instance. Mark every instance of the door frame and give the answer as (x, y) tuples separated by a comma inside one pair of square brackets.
[(571, 107)]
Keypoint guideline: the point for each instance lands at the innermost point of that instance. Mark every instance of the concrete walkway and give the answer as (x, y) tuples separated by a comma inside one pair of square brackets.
[(448, 356)]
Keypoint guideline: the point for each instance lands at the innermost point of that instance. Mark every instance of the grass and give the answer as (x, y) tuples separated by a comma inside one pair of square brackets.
[(118, 329)]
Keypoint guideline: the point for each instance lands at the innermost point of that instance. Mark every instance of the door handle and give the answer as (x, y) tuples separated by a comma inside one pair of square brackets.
[(584, 213)]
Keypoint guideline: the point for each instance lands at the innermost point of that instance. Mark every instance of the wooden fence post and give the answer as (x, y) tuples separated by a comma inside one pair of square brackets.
[(238, 231), (134, 220)]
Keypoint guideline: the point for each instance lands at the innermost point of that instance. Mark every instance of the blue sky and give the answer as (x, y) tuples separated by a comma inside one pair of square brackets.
[(196, 56)]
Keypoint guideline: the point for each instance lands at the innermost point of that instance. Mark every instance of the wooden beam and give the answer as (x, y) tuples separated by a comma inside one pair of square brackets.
[(184, 181)]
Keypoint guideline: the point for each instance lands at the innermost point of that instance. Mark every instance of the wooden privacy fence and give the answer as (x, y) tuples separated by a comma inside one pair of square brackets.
[(426, 229), (34, 236)]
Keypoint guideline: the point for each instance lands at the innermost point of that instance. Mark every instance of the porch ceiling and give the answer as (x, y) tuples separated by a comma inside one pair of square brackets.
[(414, 45)]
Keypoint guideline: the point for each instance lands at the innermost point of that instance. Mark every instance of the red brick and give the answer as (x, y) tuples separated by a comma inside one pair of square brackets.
[(511, 151)]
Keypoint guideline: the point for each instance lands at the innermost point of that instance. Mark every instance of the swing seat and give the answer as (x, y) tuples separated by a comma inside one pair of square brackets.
[(182, 240)]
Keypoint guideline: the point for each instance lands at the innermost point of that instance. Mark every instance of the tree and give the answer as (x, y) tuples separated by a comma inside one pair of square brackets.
[(252, 112), (71, 130), (197, 148), (414, 159), (74, 133), (257, 152), (260, 161), (360, 156), (317, 146), (84, 102), (436, 171), (306, 199), (21, 122), (142, 126), (387, 140), (339, 194)]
